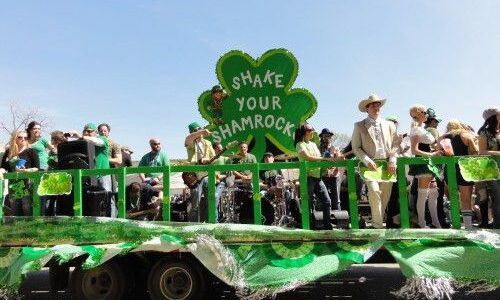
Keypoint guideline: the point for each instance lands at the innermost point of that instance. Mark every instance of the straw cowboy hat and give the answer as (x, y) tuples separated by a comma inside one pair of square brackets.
[(372, 98)]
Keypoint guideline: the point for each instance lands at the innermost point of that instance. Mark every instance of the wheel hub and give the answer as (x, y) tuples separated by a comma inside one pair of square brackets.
[(176, 283)]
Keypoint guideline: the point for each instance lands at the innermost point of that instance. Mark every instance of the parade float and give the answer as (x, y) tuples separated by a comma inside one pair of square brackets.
[(120, 258)]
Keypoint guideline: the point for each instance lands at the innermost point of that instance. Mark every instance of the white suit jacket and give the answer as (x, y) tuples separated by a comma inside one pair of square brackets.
[(364, 143)]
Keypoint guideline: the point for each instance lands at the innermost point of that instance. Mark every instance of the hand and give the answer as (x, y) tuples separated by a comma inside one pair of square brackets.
[(391, 168), (207, 132), (400, 138), (333, 172), (372, 166), (73, 134), (155, 181), (437, 153)]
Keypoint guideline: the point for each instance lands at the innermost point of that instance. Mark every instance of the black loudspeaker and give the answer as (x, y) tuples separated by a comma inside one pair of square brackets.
[(96, 202), (339, 218), (77, 154)]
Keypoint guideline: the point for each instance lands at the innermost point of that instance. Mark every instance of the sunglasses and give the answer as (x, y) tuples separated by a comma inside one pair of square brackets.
[(309, 129), (22, 137), (156, 144), (420, 112), (89, 130)]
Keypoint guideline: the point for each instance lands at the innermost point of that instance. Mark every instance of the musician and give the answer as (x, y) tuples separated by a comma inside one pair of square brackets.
[(268, 177), (245, 158), (155, 158), (199, 151)]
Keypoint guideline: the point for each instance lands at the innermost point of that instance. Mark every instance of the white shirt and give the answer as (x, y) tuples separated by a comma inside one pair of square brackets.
[(379, 138)]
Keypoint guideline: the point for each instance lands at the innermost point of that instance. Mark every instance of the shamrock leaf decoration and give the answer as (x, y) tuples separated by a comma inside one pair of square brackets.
[(55, 184), (478, 168), (18, 190), (379, 175), (258, 101)]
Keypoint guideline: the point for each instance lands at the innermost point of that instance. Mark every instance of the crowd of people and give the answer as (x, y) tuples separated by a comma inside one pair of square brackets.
[(375, 141)]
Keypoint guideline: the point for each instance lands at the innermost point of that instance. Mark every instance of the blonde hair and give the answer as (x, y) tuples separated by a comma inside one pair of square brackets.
[(415, 109), (455, 127), (13, 148)]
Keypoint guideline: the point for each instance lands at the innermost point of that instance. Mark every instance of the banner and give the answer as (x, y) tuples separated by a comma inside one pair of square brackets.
[(257, 101)]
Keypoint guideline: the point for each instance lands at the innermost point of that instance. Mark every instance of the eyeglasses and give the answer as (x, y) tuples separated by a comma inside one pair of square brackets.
[(420, 112)]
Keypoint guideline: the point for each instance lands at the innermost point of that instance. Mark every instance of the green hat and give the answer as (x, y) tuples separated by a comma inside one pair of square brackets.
[(90, 126), (193, 126), (431, 114), (216, 88), (394, 119)]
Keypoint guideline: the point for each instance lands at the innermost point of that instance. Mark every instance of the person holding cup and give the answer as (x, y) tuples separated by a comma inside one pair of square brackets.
[(19, 157), (463, 143)]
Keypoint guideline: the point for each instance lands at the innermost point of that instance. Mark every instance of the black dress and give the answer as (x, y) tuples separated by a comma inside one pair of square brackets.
[(459, 149)]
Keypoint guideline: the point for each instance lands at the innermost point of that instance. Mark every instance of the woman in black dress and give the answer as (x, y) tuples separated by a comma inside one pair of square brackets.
[(463, 143)]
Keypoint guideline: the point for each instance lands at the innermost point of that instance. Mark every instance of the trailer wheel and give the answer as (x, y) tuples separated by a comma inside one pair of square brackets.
[(176, 279), (104, 282)]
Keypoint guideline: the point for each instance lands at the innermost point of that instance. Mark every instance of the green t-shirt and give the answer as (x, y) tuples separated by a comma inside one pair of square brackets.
[(311, 149), (154, 159), (40, 148), (248, 159), (222, 160), (101, 154)]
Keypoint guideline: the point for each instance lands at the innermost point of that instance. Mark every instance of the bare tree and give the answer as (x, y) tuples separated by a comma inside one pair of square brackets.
[(19, 118), (340, 140)]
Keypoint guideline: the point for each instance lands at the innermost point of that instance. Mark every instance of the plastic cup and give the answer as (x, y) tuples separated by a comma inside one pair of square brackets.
[(447, 148), (21, 163)]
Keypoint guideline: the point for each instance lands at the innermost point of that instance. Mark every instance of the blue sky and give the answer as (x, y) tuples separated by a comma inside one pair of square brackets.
[(141, 65)]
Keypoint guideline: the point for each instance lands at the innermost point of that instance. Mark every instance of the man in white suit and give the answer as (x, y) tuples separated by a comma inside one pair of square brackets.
[(375, 138)]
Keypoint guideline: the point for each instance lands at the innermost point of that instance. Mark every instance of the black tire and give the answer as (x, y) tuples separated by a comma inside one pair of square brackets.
[(174, 278), (104, 282)]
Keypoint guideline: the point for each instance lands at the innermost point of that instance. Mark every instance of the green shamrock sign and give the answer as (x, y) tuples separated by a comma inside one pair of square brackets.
[(258, 101)]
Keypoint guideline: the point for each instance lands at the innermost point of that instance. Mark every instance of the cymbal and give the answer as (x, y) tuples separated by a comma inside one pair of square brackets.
[(285, 156)]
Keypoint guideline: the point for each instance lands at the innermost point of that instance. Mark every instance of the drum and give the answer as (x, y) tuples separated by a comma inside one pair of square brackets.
[(244, 206), (272, 211), (268, 212), (178, 210), (275, 193), (280, 182)]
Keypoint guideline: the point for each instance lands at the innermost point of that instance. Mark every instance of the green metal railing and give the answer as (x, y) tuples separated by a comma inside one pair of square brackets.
[(303, 167)]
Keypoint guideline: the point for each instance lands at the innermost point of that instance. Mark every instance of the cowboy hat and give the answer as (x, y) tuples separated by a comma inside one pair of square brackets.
[(372, 98), (490, 112), (326, 131)]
